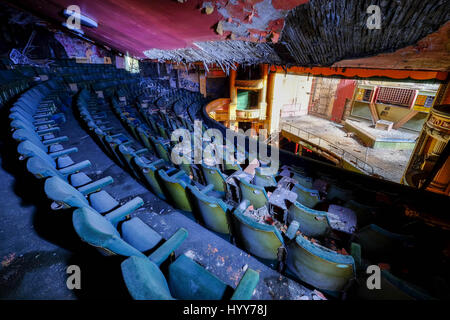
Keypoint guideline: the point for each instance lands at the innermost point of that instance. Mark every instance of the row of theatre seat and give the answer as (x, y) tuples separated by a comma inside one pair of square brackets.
[(98, 218), (199, 191), (151, 116)]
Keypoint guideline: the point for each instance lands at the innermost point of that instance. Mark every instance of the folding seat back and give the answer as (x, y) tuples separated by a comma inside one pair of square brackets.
[(319, 266), (99, 232), (255, 194), (144, 137), (175, 187), (144, 279), (260, 240), (312, 223), (23, 134), (214, 212), (307, 197), (161, 150), (264, 180), (41, 168), (149, 171), (392, 288), (28, 149), (163, 132), (64, 194), (215, 177), (378, 243), (305, 182)]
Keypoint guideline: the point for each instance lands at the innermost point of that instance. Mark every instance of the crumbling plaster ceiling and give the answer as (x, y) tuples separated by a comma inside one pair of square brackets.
[(301, 32)]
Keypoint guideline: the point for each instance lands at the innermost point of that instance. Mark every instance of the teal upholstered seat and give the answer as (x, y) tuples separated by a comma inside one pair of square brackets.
[(215, 177), (379, 243), (312, 223), (100, 231), (128, 154), (213, 210), (307, 197), (392, 288), (28, 149), (187, 280), (319, 266), (49, 145), (41, 168), (175, 189), (161, 150), (260, 240), (149, 172), (255, 194), (264, 180), (64, 194)]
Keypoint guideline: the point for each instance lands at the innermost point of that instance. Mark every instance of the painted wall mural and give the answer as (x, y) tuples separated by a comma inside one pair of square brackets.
[(79, 49)]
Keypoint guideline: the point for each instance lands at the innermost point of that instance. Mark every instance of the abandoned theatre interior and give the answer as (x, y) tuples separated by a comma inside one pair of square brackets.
[(217, 150)]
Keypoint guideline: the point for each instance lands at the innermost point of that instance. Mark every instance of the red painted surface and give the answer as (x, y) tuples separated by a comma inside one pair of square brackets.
[(344, 91), (139, 25), (136, 25)]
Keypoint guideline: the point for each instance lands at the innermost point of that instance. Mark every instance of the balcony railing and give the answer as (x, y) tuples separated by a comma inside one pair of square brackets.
[(327, 145)]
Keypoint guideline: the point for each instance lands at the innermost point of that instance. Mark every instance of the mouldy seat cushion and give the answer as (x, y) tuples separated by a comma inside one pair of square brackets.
[(190, 281), (79, 179), (102, 201), (55, 147), (139, 235), (98, 231), (64, 161)]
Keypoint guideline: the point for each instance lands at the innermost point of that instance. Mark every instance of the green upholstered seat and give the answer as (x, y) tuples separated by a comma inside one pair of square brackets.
[(319, 266), (64, 194), (255, 194), (175, 189), (264, 180), (312, 223), (100, 231), (392, 288), (28, 149), (213, 210), (149, 172), (379, 243), (260, 240), (215, 177), (161, 150), (307, 197), (187, 280)]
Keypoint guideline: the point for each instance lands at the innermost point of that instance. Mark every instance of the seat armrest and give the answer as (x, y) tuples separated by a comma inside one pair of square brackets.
[(54, 140), (166, 249), (157, 163), (118, 214), (43, 123), (95, 185), (178, 174), (141, 151), (356, 254), (49, 130), (245, 288), (75, 167), (64, 152), (207, 189), (292, 230)]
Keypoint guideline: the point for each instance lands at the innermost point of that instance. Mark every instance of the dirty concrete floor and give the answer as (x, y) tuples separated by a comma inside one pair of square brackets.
[(390, 164), (37, 244)]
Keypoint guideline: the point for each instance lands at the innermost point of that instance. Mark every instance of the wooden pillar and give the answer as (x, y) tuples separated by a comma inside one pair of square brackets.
[(202, 82), (233, 99), (270, 101), (262, 98)]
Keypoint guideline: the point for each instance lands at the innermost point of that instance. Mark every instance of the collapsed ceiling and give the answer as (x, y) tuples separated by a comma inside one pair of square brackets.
[(300, 32)]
